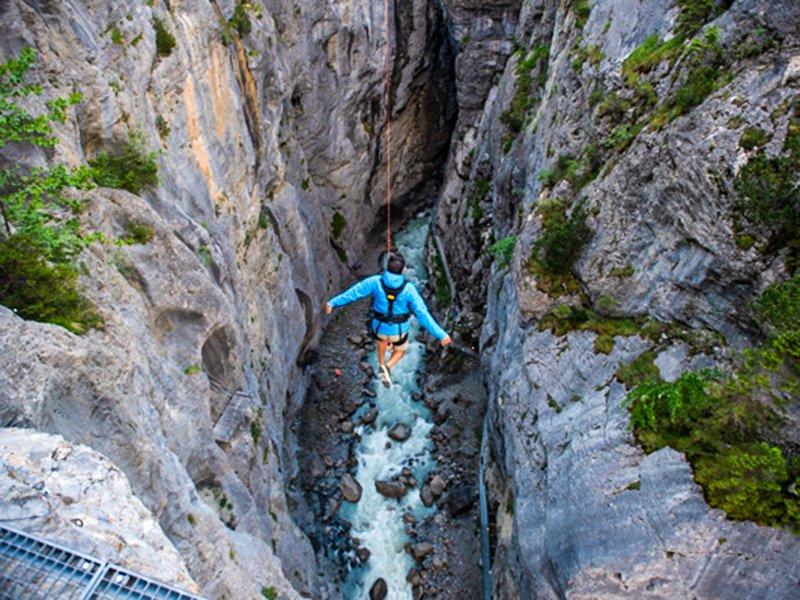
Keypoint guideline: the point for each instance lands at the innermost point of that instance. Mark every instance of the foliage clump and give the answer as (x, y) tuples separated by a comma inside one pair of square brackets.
[(578, 171), (523, 100), (40, 236), (564, 318), (338, 223), (240, 20), (503, 250), (582, 9), (642, 369), (165, 41), (133, 168), (562, 239), (137, 232), (726, 425), (769, 195), (753, 137)]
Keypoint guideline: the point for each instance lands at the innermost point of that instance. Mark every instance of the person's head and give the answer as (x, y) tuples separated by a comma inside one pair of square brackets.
[(396, 263)]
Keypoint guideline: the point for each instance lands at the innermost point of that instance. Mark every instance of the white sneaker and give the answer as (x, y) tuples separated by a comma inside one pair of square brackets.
[(386, 376)]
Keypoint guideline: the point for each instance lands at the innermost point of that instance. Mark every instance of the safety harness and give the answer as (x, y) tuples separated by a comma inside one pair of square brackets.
[(389, 316)]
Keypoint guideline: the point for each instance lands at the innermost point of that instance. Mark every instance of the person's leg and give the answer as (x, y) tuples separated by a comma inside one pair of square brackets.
[(397, 354), (382, 345)]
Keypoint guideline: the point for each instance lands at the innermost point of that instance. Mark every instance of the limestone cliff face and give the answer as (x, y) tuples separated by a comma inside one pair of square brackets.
[(262, 137), (581, 511)]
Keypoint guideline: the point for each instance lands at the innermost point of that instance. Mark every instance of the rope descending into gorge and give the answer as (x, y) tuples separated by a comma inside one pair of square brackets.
[(387, 90)]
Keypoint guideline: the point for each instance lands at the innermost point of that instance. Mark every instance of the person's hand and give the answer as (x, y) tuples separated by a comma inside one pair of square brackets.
[(328, 308), (446, 341)]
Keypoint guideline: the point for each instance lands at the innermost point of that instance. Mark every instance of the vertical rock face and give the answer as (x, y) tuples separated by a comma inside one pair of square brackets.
[(271, 176), (581, 511)]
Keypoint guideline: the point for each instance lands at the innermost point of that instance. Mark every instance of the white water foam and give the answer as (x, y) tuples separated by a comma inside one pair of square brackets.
[(377, 521)]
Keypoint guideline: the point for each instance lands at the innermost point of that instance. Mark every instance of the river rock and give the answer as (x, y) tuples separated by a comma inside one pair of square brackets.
[(391, 489), (437, 485), (426, 495), (368, 391), (350, 488), (400, 432), (379, 589), (347, 426), (363, 554), (354, 339), (368, 418), (460, 500), (422, 549)]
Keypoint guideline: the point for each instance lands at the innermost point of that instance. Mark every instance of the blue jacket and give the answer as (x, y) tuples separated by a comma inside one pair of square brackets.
[(408, 301)]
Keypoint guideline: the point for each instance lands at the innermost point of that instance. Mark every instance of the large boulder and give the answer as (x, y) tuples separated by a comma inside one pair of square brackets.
[(379, 589), (391, 489), (350, 488), (400, 432)]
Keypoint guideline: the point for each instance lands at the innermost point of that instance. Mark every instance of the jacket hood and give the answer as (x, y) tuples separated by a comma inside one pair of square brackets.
[(393, 280)]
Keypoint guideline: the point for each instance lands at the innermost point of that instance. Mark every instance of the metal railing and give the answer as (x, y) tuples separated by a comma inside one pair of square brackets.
[(34, 568)]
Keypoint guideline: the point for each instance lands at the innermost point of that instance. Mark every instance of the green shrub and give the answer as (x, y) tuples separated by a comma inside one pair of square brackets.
[(240, 20), (747, 482), (562, 240), (269, 592), (722, 423), (165, 41), (649, 55), (37, 289), (338, 223), (638, 371), (137, 232), (162, 126), (662, 408), (192, 370), (696, 13), (582, 9), (769, 196), (752, 137), (563, 318), (255, 431), (522, 100), (132, 169), (622, 272), (622, 136), (40, 234), (116, 36), (503, 250)]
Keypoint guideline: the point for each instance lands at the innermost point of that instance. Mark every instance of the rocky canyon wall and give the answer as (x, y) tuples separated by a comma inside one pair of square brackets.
[(577, 121), (267, 118)]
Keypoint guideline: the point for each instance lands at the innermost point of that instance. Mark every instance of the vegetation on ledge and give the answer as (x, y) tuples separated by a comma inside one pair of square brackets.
[(727, 424), (40, 236)]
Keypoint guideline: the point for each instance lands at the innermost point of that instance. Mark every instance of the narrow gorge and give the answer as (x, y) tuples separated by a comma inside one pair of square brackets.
[(599, 199)]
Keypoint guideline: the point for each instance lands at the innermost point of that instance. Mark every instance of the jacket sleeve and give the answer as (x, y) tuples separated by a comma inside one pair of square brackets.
[(420, 311), (360, 290)]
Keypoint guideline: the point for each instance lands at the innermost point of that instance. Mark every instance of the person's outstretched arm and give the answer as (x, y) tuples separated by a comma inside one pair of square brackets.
[(426, 320), (362, 289)]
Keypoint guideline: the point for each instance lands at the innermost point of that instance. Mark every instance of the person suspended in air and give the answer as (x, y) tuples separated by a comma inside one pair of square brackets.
[(394, 300)]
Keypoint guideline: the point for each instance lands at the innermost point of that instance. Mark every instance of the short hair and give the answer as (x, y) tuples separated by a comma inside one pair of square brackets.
[(396, 263)]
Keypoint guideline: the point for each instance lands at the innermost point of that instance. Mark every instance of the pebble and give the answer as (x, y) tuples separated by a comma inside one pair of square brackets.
[(369, 417), (437, 485), (400, 432), (421, 550)]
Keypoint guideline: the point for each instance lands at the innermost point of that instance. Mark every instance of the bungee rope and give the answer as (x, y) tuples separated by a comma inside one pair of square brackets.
[(387, 86)]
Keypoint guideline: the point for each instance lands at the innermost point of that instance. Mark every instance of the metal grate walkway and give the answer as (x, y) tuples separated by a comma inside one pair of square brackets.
[(31, 567)]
